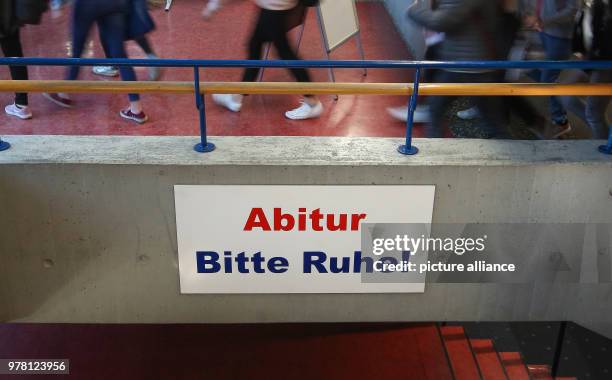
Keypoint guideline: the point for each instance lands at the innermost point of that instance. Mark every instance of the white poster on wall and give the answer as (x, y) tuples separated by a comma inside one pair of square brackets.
[(288, 239), (339, 21)]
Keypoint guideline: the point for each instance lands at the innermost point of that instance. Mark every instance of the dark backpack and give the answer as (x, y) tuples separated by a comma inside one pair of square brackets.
[(30, 11), (601, 48), (602, 30)]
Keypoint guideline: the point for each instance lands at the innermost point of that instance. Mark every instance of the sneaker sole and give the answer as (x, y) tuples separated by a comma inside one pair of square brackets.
[(64, 105), (106, 74), (26, 117), (137, 121)]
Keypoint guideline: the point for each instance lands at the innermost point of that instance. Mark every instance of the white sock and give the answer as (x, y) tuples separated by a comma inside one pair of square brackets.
[(311, 100), (135, 107)]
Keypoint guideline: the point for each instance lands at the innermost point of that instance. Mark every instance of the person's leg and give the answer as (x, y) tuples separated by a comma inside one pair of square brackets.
[(106, 71), (284, 49), (575, 104), (11, 47), (258, 38), (113, 31), (311, 106), (494, 119), (145, 45), (83, 18), (438, 106), (596, 106), (557, 49), (233, 102)]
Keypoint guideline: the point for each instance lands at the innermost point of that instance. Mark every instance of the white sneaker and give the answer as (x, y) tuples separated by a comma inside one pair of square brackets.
[(469, 114), (228, 101), (210, 9), (421, 114), (105, 71), (18, 111), (305, 111)]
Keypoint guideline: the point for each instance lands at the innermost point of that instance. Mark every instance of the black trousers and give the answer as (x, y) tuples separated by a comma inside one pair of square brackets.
[(272, 27), (11, 47), (494, 121)]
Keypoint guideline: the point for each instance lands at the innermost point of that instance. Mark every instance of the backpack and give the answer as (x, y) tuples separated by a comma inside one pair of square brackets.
[(30, 11), (601, 28)]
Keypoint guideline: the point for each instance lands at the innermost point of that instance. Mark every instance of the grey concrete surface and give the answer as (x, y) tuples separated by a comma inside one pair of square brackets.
[(87, 224)]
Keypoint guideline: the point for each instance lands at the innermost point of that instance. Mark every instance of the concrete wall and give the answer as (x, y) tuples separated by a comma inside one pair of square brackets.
[(87, 224)]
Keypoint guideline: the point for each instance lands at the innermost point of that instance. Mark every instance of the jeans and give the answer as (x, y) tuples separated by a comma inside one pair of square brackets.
[(11, 47), (491, 107), (592, 109), (556, 49), (110, 16)]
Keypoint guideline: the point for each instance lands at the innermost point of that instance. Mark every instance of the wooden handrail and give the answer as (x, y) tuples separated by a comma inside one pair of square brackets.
[(318, 88)]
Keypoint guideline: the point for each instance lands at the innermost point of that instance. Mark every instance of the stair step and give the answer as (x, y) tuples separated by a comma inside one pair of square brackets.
[(459, 353), (514, 365), (540, 372), (487, 359), (432, 352)]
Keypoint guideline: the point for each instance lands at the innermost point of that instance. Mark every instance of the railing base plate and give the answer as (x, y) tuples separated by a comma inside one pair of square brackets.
[(209, 147), (408, 151), (4, 145), (606, 149)]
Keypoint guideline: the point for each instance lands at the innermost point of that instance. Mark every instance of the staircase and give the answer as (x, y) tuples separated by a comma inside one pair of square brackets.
[(300, 351), (471, 359)]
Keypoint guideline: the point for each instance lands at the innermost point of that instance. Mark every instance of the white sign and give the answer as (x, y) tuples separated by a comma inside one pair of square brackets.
[(287, 239), (339, 21)]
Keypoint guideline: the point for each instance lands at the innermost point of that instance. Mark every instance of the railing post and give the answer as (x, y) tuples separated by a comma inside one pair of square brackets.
[(607, 149), (409, 149), (203, 146), (4, 145)]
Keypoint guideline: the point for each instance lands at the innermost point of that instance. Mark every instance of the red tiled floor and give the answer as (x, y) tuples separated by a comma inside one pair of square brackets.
[(182, 33), (265, 351)]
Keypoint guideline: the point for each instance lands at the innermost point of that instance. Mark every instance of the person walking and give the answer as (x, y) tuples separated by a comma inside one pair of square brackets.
[(140, 24), (275, 17), (554, 20), (470, 28), (594, 29), (111, 19), (10, 42)]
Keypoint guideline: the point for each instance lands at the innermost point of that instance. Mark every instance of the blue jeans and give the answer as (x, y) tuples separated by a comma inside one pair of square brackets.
[(111, 18), (556, 49), (591, 110)]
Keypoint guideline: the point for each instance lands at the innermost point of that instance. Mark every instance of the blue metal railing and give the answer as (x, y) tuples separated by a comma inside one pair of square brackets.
[(408, 149)]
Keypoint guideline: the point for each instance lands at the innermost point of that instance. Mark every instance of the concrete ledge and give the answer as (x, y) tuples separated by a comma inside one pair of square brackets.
[(88, 233), (296, 151)]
